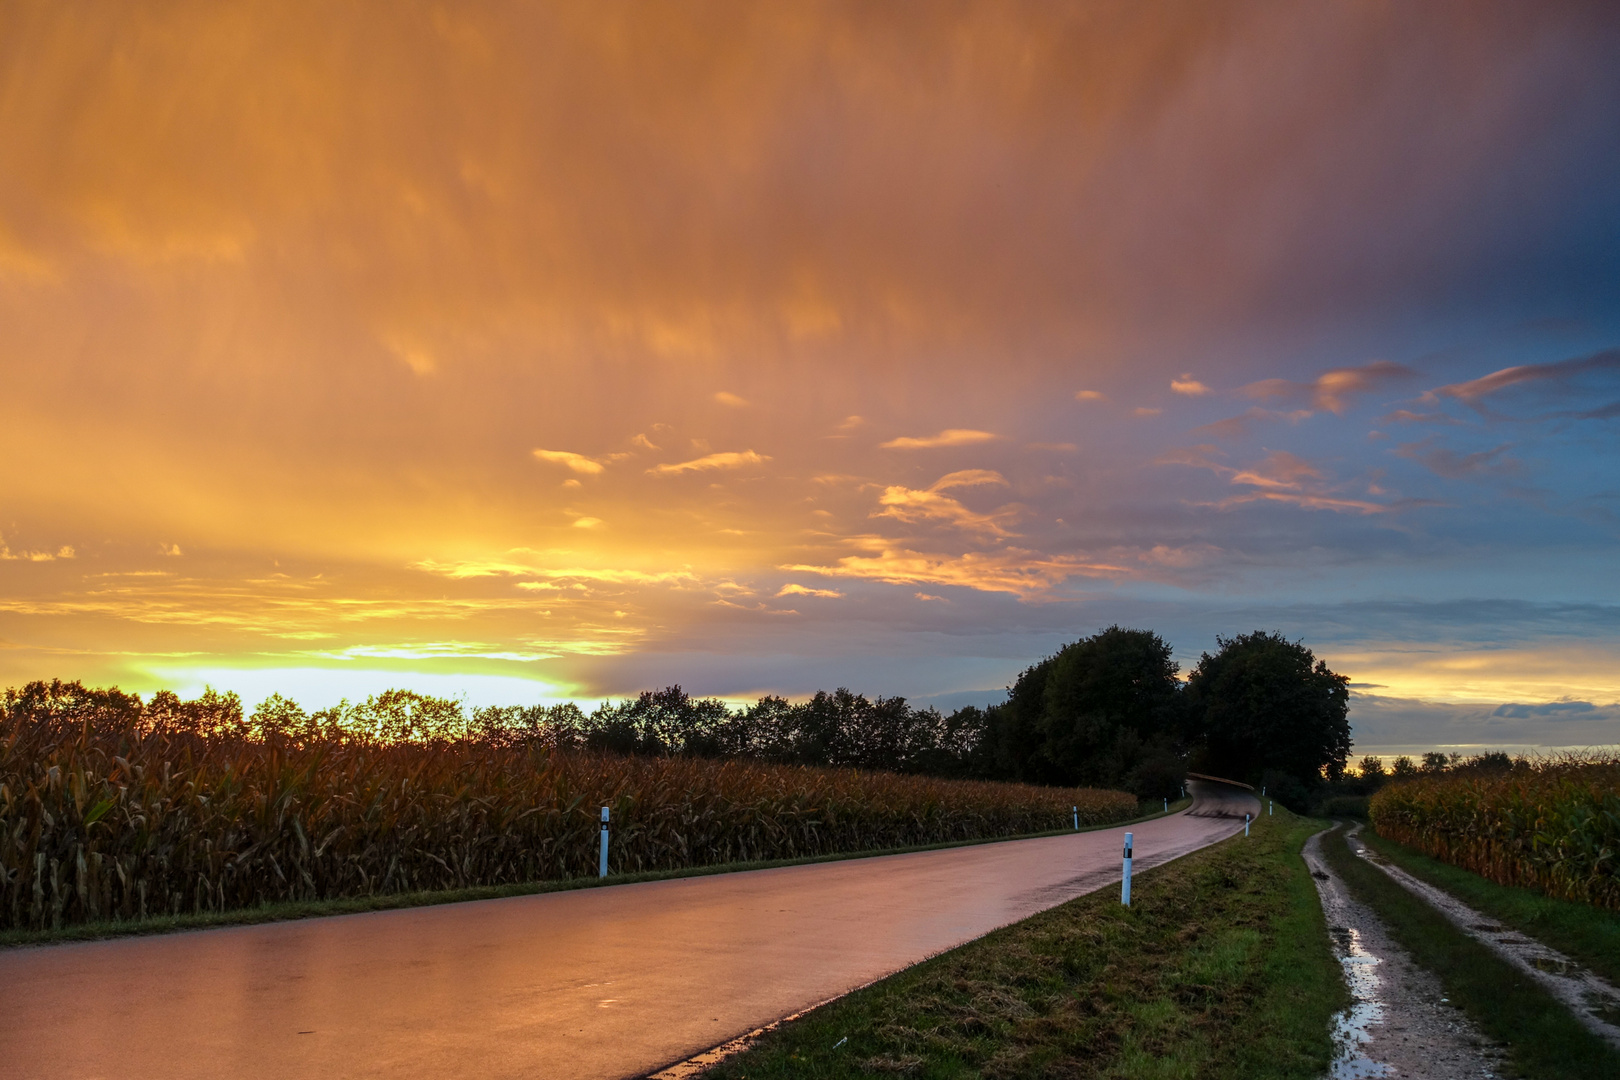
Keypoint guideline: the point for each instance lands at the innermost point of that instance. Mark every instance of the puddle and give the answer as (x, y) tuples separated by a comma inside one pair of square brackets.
[(1556, 967), (1351, 1028)]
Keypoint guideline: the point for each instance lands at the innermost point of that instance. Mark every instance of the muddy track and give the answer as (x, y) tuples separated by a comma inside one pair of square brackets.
[(1400, 1023)]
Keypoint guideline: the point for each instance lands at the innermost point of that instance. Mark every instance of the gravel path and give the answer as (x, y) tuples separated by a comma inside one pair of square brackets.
[(1400, 1024)]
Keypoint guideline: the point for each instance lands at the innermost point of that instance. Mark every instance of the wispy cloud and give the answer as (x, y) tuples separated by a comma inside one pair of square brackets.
[(729, 459), (1559, 374), (1189, 386), (948, 437), (727, 398), (1445, 462), (1281, 477), (579, 463), (1025, 574), (793, 589), (1333, 391)]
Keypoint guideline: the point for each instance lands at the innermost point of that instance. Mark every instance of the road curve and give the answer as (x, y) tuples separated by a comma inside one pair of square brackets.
[(596, 983)]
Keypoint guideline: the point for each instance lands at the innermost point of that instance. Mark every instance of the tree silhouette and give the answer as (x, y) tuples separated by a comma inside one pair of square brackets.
[(1263, 703)]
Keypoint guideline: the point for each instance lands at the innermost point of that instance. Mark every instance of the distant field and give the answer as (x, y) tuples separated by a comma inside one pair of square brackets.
[(111, 818), (1552, 825)]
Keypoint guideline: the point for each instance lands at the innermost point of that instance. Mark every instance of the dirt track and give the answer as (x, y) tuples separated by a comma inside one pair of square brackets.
[(598, 983)]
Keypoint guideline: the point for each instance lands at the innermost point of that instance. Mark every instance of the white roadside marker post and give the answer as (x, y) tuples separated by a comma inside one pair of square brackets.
[(1125, 882), (1271, 808), (1167, 806), (1077, 819), (1245, 824), (601, 862)]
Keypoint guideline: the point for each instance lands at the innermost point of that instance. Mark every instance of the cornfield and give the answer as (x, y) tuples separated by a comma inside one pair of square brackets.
[(1551, 825), (107, 818)]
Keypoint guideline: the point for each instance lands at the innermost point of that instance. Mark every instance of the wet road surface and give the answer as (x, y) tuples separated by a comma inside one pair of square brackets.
[(597, 983)]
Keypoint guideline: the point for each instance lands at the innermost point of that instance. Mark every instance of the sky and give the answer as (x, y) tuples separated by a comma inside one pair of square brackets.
[(526, 353)]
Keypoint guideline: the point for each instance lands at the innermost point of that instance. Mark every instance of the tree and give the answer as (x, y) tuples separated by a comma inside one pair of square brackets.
[(1111, 702), (1263, 703), (1103, 711)]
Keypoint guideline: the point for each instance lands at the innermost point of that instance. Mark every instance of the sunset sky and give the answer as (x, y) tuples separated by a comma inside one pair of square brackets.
[(533, 352)]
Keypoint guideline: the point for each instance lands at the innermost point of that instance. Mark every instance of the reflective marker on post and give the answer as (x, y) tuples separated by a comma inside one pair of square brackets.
[(1167, 806), (1271, 808), (1125, 883), (1245, 828), (601, 864), (1077, 819)]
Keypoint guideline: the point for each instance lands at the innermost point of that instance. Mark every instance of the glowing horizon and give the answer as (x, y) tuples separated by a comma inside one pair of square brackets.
[(569, 352)]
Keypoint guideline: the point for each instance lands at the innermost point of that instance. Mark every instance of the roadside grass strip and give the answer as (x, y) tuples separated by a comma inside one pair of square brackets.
[(1587, 934), (1221, 967), (1543, 1038), (285, 911)]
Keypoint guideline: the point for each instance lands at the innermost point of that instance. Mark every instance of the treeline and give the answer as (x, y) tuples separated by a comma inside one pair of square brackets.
[(1108, 711)]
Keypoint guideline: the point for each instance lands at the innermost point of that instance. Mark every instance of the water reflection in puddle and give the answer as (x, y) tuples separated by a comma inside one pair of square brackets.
[(1350, 1027)]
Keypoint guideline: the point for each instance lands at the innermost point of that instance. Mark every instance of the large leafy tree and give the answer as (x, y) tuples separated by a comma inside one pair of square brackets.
[(1103, 711), (1264, 704)]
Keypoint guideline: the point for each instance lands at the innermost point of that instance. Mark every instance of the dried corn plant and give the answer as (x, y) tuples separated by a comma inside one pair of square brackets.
[(110, 809), (1551, 825)]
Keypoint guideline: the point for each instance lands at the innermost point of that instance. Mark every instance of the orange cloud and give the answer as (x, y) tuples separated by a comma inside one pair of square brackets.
[(948, 437), (725, 460), (577, 462)]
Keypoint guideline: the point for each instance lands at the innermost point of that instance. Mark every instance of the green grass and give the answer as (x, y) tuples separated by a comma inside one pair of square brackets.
[(1587, 934), (312, 909), (1220, 968), (1544, 1040)]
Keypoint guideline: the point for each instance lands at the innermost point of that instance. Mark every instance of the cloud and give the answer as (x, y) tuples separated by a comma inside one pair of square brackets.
[(1189, 386), (1280, 469), (577, 462), (1557, 710), (1281, 477), (969, 478), (1089, 395), (918, 507), (1559, 375), (948, 437), (1144, 411), (805, 590), (1332, 391), (729, 459), (1454, 466), (645, 443), (1022, 573), (1237, 427), (726, 398), (588, 523)]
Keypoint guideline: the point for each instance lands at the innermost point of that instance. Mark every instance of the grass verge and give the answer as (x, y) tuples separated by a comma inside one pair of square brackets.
[(1587, 934), (354, 905), (1220, 968), (1544, 1040)]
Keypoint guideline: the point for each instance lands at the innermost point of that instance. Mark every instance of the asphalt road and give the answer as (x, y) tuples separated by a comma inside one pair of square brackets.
[(597, 983)]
